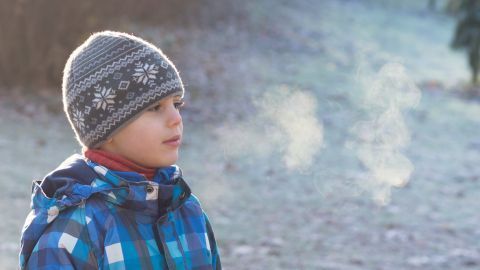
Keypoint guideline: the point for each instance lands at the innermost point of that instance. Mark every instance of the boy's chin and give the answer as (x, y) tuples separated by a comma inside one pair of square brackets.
[(168, 161)]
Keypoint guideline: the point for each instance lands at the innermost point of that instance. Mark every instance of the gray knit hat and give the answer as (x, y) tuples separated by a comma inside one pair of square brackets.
[(110, 79)]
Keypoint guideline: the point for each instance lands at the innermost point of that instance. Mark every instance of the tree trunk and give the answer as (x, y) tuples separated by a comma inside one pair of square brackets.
[(474, 64)]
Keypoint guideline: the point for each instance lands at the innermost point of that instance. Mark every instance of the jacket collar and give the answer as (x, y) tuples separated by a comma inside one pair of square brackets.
[(133, 191), (78, 178)]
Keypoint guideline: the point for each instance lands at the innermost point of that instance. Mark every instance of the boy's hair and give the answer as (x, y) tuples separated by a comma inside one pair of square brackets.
[(110, 79)]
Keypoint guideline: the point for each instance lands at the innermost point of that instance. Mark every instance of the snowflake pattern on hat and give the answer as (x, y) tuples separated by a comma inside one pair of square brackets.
[(78, 119), (103, 97), (145, 72)]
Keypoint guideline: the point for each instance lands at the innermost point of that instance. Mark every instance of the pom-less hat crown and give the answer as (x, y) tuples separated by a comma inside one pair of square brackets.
[(110, 79)]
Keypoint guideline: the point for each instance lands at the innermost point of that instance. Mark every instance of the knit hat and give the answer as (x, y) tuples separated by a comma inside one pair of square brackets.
[(110, 79)]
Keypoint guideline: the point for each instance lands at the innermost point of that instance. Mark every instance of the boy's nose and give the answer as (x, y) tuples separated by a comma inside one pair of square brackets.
[(175, 118)]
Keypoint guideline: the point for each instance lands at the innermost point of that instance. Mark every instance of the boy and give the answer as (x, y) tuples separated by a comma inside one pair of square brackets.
[(123, 204)]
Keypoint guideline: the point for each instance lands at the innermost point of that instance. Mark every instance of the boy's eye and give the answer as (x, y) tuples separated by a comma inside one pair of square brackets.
[(154, 108), (176, 104), (179, 104)]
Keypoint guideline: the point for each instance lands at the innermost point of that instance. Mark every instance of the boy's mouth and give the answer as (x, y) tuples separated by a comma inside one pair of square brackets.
[(174, 138)]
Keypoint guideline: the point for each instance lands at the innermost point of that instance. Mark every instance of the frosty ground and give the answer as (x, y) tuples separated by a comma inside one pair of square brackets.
[(266, 214)]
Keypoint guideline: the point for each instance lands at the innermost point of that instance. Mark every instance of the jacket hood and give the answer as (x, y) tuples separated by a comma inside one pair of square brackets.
[(77, 178)]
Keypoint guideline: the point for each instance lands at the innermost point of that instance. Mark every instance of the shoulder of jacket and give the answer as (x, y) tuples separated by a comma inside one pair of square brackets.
[(66, 238)]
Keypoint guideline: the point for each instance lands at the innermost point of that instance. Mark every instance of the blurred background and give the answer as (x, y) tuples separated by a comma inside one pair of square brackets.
[(333, 134)]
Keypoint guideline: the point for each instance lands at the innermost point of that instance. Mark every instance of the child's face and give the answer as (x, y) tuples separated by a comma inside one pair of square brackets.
[(143, 140)]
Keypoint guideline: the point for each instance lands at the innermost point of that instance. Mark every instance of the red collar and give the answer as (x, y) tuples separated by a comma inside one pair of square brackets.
[(117, 162)]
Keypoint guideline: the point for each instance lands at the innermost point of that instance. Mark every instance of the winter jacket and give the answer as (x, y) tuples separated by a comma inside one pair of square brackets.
[(85, 216)]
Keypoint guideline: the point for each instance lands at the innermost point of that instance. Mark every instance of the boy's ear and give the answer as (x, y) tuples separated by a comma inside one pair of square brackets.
[(106, 145), (108, 141)]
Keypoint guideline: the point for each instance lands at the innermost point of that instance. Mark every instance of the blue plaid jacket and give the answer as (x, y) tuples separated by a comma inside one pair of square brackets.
[(85, 216)]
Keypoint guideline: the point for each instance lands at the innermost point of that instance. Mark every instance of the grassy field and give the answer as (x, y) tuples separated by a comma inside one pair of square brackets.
[(277, 156)]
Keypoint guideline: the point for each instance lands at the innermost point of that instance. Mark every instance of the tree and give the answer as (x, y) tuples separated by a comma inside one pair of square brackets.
[(467, 34)]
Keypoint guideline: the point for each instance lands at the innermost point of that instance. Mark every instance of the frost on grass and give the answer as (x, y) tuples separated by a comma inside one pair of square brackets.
[(378, 142), (285, 124)]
